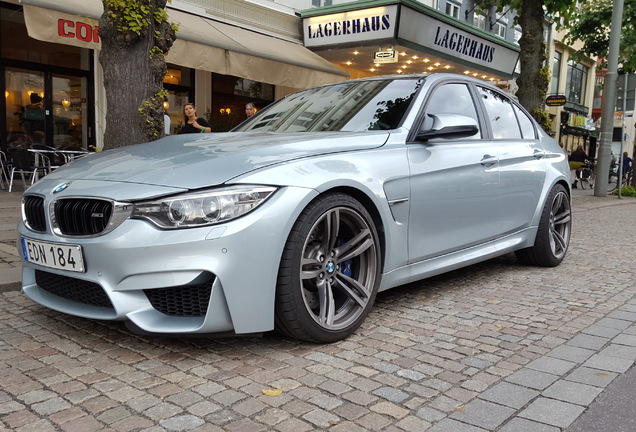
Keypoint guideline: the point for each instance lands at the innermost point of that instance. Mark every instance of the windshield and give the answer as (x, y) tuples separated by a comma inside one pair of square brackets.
[(348, 106)]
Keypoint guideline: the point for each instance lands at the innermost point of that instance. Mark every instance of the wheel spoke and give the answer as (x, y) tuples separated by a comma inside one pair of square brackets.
[(558, 240), (356, 246), (556, 204), (331, 229), (361, 293), (327, 304), (562, 218), (310, 268)]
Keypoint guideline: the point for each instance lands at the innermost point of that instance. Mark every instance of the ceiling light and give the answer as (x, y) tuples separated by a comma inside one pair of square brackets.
[(348, 63), (426, 60), (356, 52)]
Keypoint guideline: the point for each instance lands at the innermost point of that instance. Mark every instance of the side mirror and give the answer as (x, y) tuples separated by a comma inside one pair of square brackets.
[(448, 126)]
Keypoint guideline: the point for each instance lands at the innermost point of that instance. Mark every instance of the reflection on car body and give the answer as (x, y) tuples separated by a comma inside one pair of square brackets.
[(298, 217)]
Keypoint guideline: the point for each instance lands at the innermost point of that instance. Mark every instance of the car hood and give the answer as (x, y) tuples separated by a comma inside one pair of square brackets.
[(192, 161)]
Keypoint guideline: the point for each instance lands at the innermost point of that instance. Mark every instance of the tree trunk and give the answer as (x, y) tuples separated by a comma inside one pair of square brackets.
[(134, 67), (533, 80)]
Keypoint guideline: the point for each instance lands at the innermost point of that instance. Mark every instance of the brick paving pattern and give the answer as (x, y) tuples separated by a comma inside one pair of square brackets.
[(493, 347)]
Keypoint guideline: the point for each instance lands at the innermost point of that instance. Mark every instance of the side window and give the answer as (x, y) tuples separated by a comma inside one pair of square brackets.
[(527, 127), (451, 99), (500, 114)]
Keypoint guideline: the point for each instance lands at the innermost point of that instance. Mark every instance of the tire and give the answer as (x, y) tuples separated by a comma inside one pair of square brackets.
[(330, 271), (586, 180), (553, 235), (612, 183)]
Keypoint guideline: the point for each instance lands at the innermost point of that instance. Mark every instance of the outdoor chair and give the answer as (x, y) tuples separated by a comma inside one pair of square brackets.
[(21, 163)]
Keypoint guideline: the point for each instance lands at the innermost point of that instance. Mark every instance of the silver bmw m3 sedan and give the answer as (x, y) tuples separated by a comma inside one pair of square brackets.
[(297, 218)]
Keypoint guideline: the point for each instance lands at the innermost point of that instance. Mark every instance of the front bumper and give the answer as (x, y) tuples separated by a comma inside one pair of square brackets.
[(201, 280)]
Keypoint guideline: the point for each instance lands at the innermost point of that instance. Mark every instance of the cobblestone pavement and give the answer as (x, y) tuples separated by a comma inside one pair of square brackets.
[(493, 347)]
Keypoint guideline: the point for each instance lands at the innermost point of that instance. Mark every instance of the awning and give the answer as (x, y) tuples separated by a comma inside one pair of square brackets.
[(202, 43)]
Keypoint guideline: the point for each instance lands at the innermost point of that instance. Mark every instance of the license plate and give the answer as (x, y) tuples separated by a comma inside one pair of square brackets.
[(54, 255)]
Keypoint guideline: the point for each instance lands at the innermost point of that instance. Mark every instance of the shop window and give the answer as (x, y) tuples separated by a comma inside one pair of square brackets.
[(556, 72), (229, 96), (452, 9), (179, 84), (178, 75), (576, 83)]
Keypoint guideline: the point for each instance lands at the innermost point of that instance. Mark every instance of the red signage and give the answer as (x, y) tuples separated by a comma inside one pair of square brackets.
[(77, 29)]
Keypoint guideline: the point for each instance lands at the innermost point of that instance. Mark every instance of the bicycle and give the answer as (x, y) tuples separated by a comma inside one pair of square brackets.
[(585, 175), (626, 179)]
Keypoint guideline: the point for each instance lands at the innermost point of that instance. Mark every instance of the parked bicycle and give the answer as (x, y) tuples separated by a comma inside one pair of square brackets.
[(585, 175), (626, 179)]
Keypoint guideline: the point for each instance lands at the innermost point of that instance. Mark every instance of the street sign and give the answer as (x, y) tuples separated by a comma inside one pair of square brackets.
[(389, 56), (555, 100)]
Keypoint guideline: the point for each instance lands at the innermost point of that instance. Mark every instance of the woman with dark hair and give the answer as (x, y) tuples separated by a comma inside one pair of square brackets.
[(193, 123)]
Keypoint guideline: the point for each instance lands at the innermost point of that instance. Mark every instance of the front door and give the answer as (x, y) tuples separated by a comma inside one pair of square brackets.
[(454, 183), (45, 108)]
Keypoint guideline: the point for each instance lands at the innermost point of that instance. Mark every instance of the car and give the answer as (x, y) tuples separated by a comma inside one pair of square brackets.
[(297, 218)]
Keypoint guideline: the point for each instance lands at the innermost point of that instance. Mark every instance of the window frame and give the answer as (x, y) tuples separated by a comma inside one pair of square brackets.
[(452, 9)]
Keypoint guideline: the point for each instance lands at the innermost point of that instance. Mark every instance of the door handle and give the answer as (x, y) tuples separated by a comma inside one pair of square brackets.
[(538, 154), (488, 160)]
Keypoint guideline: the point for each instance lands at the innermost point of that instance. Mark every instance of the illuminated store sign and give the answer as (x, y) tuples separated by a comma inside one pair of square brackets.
[(462, 44), (428, 31), (353, 26)]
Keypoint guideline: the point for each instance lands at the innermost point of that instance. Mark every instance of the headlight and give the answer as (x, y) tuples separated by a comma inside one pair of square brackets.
[(203, 208)]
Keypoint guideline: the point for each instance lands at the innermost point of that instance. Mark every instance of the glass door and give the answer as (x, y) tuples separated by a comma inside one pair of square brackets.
[(45, 108), (25, 111), (69, 112)]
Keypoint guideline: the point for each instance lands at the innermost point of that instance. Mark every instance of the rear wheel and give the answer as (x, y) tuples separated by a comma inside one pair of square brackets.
[(553, 235), (612, 184), (330, 271)]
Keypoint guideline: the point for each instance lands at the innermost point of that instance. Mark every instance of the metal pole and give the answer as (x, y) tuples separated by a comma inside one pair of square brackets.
[(620, 155), (609, 103)]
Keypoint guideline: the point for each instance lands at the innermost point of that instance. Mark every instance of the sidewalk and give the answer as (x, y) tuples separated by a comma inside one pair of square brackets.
[(10, 260), (11, 264)]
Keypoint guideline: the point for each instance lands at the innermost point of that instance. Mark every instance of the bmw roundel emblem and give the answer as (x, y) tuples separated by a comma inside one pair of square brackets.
[(59, 188)]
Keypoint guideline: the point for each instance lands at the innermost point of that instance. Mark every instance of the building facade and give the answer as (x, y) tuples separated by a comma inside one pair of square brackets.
[(227, 53)]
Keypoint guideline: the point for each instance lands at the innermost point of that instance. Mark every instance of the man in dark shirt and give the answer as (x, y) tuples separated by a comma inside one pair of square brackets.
[(576, 160)]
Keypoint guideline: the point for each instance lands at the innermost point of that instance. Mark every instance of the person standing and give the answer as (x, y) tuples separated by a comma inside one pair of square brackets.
[(166, 123), (250, 110), (576, 161), (192, 122), (627, 163)]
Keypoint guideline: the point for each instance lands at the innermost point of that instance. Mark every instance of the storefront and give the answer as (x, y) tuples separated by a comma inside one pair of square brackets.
[(52, 79), (404, 36)]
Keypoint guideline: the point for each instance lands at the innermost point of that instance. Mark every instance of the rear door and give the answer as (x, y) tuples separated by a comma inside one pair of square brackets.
[(521, 160)]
